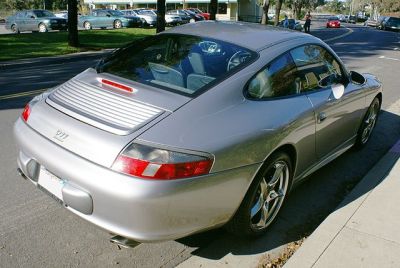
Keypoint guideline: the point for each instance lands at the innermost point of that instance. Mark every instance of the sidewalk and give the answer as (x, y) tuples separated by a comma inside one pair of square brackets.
[(364, 230)]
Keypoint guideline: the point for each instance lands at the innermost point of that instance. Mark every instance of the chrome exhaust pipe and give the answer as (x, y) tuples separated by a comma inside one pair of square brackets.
[(21, 174), (123, 242)]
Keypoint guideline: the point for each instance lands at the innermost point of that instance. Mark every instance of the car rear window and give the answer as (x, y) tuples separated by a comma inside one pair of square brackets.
[(180, 63)]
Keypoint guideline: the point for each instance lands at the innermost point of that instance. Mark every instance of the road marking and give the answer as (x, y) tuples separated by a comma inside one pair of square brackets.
[(22, 94), (340, 36), (388, 58)]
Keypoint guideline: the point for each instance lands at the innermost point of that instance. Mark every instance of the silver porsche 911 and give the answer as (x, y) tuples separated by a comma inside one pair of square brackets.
[(204, 125)]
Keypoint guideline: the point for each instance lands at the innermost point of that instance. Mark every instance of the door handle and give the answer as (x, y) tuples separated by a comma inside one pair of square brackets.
[(321, 117)]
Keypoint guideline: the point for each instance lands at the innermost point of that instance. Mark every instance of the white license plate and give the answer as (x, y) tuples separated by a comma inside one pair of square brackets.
[(50, 182)]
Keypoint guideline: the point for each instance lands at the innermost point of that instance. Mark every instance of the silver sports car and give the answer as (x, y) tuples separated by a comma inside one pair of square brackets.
[(203, 125)]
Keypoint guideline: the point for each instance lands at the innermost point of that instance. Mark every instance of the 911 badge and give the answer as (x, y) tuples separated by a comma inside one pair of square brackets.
[(61, 135)]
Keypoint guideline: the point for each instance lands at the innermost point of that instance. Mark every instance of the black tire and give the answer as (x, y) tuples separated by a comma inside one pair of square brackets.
[(15, 29), (368, 124), (242, 224)]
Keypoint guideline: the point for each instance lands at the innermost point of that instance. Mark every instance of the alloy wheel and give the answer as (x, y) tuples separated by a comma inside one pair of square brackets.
[(370, 121), (117, 24), (42, 28), (270, 194)]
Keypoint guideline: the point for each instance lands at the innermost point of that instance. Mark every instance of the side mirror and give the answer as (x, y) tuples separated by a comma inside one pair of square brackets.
[(33, 17), (357, 78), (108, 15), (337, 90)]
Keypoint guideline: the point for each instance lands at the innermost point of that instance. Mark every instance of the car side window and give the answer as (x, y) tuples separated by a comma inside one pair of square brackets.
[(316, 67), (102, 14), (276, 80)]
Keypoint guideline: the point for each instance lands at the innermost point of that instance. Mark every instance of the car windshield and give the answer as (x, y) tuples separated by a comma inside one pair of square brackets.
[(43, 13), (180, 63), (116, 13), (395, 21)]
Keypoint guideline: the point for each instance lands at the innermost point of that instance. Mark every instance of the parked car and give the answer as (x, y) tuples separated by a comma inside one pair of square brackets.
[(148, 15), (390, 23), (185, 16), (342, 18), (371, 22), (351, 19), (333, 22), (171, 20), (36, 20), (379, 22), (199, 12), (105, 18), (293, 25), (196, 17), (62, 14), (199, 126)]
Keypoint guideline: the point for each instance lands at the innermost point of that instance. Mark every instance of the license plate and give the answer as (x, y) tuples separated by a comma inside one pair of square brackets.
[(63, 24), (51, 183)]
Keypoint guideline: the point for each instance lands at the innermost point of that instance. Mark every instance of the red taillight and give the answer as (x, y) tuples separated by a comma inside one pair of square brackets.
[(26, 112), (161, 168), (116, 85)]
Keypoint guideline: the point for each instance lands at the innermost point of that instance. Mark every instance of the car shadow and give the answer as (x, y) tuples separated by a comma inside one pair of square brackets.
[(312, 201)]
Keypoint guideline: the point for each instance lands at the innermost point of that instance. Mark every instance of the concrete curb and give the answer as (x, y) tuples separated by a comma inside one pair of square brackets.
[(315, 246)]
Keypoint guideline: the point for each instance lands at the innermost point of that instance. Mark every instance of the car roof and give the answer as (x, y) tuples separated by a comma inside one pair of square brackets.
[(250, 35)]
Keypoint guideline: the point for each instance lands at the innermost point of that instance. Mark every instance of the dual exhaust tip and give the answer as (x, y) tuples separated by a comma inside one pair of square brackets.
[(123, 242)]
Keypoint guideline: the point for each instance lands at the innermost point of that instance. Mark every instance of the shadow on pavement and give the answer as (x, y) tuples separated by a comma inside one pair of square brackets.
[(311, 202)]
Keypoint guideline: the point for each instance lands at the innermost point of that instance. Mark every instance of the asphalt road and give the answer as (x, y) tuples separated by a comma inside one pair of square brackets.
[(37, 232)]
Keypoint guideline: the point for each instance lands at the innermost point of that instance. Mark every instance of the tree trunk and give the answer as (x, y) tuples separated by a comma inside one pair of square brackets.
[(277, 11), (160, 16), (264, 19), (213, 9), (73, 40)]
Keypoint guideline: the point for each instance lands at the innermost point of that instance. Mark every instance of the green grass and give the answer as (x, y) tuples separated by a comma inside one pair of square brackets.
[(32, 45)]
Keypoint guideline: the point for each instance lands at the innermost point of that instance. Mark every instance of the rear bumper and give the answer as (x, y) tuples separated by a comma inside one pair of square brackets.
[(142, 210)]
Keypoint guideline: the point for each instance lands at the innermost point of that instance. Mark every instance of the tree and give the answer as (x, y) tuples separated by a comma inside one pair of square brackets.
[(73, 40), (264, 19), (160, 16), (277, 11), (213, 9)]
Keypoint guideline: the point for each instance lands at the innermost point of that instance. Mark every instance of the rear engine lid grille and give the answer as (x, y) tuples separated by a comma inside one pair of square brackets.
[(104, 109)]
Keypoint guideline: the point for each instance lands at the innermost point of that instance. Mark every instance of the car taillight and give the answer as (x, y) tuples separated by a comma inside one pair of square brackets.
[(152, 163), (26, 112)]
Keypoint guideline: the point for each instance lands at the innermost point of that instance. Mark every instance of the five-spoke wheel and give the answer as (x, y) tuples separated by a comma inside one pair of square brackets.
[(264, 198), (368, 123)]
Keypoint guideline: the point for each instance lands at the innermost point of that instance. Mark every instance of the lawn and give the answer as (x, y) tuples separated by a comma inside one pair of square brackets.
[(31, 45)]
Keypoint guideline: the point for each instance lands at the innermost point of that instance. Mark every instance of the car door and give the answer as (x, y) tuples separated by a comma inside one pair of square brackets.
[(106, 19), (284, 108), (19, 20), (336, 120), (31, 21)]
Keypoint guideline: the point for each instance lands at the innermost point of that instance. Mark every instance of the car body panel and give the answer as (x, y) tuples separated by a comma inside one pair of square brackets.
[(238, 132)]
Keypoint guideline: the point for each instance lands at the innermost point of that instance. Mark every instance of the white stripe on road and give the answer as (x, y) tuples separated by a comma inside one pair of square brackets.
[(340, 36), (388, 58)]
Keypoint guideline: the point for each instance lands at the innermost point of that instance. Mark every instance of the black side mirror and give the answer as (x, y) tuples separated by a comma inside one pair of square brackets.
[(33, 17), (108, 15), (357, 78)]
